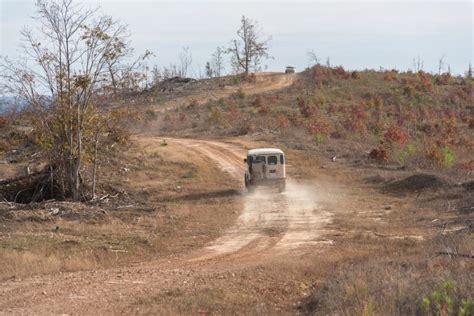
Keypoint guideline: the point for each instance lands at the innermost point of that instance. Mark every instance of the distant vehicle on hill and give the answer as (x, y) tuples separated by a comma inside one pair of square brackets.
[(290, 70)]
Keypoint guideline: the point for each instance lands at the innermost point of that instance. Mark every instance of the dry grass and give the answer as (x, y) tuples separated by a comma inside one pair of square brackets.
[(395, 280), (158, 213)]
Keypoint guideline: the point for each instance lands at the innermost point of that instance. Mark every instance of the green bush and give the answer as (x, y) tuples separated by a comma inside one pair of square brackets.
[(448, 157), (319, 138), (407, 152), (443, 302)]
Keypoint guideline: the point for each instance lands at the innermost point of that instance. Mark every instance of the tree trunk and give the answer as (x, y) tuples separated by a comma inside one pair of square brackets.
[(77, 165), (94, 174)]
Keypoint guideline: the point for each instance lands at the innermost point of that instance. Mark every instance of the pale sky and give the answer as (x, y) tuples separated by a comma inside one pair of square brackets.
[(354, 34)]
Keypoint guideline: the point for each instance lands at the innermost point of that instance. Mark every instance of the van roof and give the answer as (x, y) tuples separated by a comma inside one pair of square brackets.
[(264, 151)]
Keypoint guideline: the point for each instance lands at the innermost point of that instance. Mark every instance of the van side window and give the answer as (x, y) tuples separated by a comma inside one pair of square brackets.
[(282, 160), (272, 160)]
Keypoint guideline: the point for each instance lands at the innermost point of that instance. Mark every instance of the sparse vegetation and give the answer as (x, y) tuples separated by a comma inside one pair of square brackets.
[(101, 173)]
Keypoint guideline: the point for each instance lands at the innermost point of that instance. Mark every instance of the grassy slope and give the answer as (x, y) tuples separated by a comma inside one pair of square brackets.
[(415, 120)]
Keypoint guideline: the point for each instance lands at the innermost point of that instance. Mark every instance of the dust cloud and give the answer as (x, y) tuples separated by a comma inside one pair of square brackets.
[(282, 221)]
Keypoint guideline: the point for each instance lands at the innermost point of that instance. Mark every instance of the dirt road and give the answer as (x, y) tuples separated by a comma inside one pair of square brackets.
[(271, 221), (265, 82), (270, 226)]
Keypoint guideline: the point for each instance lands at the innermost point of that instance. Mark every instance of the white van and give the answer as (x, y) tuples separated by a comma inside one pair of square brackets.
[(265, 166)]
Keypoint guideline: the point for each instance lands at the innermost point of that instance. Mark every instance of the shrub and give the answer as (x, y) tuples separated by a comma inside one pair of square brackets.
[(258, 101), (193, 104), (235, 80), (443, 156), (448, 157), (150, 115), (319, 138), (3, 122), (443, 302), (408, 151), (306, 109), (215, 116), (233, 115), (442, 79), (355, 75), (397, 135), (390, 76), (240, 93), (379, 154), (282, 121), (467, 165), (244, 127), (409, 90), (340, 71)]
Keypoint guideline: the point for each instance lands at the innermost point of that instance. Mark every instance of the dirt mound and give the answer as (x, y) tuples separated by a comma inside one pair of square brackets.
[(416, 183)]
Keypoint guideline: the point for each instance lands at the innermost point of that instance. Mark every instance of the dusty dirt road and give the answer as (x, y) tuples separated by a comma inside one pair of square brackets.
[(265, 82), (270, 228), (272, 221)]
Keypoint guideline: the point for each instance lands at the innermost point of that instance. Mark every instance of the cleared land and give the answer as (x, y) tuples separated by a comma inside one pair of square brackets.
[(180, 234)]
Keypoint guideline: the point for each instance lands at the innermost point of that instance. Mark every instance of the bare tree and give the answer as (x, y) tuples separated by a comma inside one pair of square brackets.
[(418, 64), (441, 64), (185, 61), (312, 58), (328, 62), (67, 59), (209, 71), (249, 48), (133, 76), (217, 62)]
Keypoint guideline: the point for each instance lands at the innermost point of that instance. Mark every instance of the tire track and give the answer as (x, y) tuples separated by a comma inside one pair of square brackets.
[(279, 222)]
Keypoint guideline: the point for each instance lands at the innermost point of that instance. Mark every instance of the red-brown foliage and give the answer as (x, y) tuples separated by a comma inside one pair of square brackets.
[(306, 108), (471, 123), (396, 134), (319, 125), (467, 165), (355, 75), (379, 154), (282, 121), (340, 71), (3, 122)]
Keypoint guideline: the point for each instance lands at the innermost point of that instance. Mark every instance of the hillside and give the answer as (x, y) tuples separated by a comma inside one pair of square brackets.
[(415, 121)]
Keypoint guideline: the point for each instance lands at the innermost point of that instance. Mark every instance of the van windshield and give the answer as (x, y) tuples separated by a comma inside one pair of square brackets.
[(272, 160)]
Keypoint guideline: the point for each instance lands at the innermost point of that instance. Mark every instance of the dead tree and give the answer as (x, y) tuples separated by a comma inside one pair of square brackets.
[(67, 58), (217, 62), (185, 61), (248, 49), (418, 64)]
